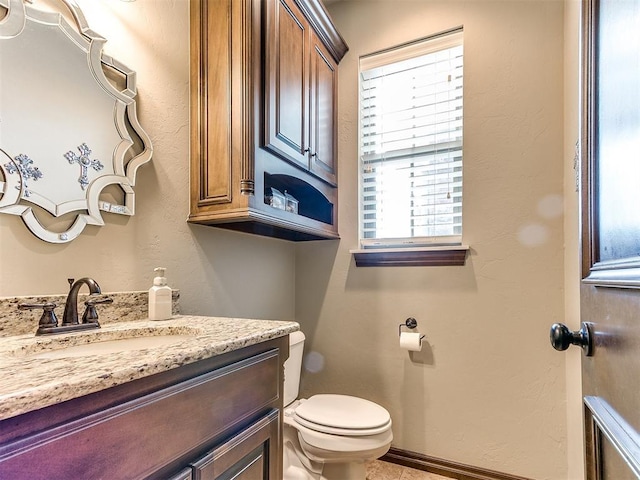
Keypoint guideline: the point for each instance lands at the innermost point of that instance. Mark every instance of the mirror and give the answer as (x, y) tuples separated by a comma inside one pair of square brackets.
[(69, 131)]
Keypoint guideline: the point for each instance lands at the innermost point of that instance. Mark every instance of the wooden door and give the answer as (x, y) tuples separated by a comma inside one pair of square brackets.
[(610, 288), (324, 84)]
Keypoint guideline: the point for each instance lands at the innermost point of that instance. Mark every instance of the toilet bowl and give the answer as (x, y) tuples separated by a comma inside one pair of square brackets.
[(329, 436)]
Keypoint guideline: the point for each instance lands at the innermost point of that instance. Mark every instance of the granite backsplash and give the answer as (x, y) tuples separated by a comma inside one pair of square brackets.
[(126, 307)]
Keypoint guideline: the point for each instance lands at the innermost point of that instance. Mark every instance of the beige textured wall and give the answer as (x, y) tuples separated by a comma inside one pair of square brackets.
[(218, 272), (487, 389), (575, 448)]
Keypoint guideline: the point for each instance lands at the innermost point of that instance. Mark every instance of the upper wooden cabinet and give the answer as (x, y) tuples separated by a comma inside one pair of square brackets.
[(263, 116)]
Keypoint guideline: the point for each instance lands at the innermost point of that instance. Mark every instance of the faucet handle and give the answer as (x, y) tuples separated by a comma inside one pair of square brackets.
[(32, 306), (90, 313), (48, 319)]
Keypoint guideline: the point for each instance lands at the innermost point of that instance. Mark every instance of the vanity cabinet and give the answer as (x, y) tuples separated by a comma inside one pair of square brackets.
[(213, 419), (263, 117)]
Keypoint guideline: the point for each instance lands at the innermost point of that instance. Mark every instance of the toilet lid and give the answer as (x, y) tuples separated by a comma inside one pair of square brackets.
[(343, 415)]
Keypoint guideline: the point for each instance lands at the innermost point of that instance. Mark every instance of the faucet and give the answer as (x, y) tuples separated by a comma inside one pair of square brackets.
[(70, 316), (48, 321)]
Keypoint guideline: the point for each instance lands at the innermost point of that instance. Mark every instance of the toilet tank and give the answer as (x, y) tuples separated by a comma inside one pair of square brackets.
[(293, 367)]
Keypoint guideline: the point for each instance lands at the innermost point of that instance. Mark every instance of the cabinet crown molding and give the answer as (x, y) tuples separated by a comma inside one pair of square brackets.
[(321, 22)]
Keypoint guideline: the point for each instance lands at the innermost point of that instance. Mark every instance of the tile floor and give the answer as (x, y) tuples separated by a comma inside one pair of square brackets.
[(377, 470)]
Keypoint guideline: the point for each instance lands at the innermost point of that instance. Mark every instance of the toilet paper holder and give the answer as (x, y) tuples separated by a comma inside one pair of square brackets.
[(410, 323)]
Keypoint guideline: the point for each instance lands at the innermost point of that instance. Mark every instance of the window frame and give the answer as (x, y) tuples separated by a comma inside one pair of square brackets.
[(406, 251)]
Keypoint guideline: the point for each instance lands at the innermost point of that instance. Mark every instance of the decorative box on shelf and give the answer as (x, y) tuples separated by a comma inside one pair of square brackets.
[(291, 203), (275, 198)]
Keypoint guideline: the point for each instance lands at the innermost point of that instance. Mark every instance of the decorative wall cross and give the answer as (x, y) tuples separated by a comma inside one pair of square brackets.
[(22, 163), (85, 162)]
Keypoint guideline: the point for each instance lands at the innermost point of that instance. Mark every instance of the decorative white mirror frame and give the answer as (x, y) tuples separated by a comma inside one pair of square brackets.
[(76, 180)]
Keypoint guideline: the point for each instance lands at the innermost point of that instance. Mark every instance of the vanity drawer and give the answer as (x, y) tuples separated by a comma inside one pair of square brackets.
[(145, 435)]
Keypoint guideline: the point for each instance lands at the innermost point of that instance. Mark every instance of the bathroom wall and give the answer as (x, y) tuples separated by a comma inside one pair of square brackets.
[(487, 389), (572, 237), (217, 272)]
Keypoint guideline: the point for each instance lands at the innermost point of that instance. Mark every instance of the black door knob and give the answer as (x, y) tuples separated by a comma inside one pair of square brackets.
[(561, 337)]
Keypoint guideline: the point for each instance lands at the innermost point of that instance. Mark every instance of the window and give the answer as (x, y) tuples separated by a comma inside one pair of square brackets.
[(411, 144)]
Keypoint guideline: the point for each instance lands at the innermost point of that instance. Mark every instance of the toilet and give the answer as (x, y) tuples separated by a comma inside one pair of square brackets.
[(328, 436)]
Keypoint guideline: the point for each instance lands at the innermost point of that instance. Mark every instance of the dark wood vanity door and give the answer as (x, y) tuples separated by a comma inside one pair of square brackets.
[(250, 455)]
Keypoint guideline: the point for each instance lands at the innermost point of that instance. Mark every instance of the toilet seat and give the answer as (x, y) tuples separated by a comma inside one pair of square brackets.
[(326, 447), (342, 415)]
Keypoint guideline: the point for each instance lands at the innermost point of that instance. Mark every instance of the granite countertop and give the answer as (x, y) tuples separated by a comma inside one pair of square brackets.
[(29, 382)]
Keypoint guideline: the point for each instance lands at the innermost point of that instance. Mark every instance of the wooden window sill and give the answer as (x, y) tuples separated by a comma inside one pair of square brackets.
[(447, 255)]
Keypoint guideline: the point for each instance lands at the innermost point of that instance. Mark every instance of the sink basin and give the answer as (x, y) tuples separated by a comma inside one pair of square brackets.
[(105, 341), (112, 346)]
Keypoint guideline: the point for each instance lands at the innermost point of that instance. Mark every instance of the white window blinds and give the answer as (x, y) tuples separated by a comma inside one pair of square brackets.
[(411, 143)]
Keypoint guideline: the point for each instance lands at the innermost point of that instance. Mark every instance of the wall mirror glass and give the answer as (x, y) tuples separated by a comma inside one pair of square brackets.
[(70, 141)]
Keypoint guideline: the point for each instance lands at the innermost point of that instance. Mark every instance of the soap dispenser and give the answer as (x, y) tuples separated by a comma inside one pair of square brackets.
[(160, 297)]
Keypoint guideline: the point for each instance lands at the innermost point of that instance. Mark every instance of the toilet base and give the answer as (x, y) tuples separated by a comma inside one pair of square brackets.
[(344, 471), (294, 470), (299, 465), (296, 466)]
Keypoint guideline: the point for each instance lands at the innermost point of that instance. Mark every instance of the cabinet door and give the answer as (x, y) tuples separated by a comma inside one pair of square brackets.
[(250, 455), (222, 78), (287, 82), (323, 112), (183, 475)]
